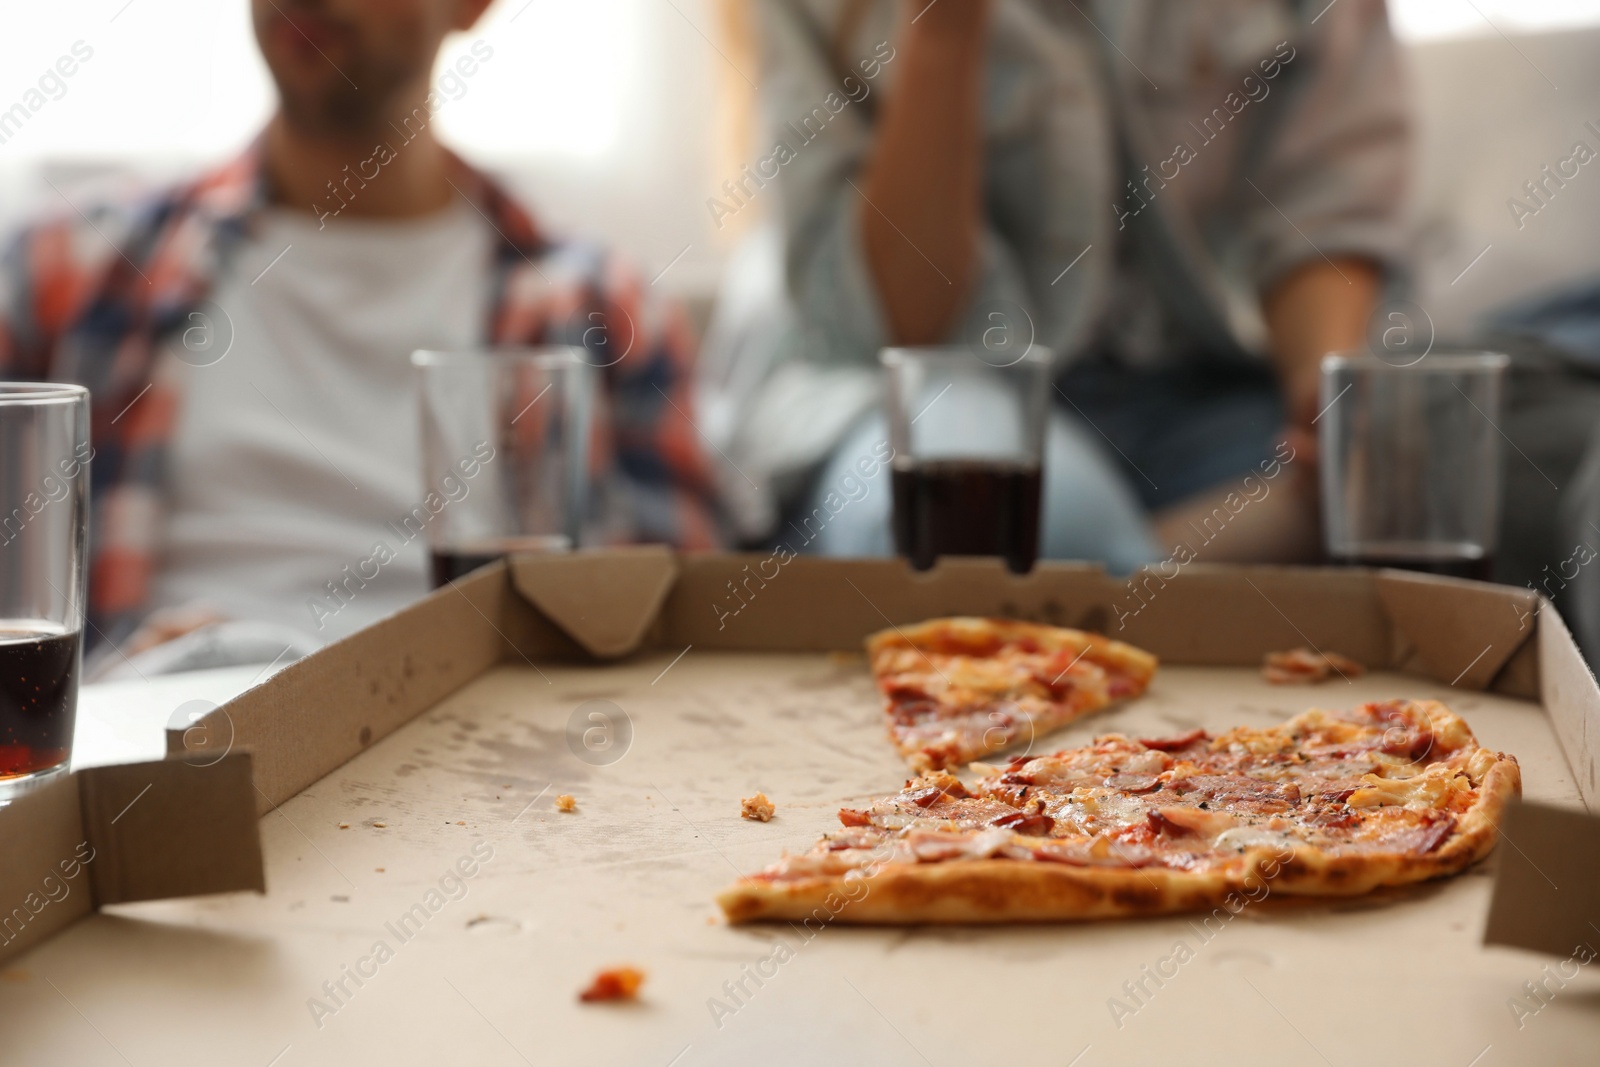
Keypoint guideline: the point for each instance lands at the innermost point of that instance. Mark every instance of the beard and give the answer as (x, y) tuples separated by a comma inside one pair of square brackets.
[(359, 99)]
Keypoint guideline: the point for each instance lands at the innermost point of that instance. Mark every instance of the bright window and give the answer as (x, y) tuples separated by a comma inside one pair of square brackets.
[(183, 78), (1425, 19)]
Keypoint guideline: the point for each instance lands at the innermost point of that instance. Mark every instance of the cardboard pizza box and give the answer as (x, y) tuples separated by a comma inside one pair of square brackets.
[(427, 902), (114, 835)]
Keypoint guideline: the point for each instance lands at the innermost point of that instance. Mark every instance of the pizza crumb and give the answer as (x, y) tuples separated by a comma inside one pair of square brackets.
[(566, 802), (344, 826), (381, 825), (612, 984), (757, 808), (1302, 666)]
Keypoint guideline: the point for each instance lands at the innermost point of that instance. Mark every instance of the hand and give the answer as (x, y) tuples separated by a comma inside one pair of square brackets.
[(1301, 399), (963, 16), (1319, 307)]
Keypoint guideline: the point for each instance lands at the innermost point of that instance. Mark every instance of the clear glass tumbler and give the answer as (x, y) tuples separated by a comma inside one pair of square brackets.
[(1411, 461), (968, 439), (44, 523), (505, 437)]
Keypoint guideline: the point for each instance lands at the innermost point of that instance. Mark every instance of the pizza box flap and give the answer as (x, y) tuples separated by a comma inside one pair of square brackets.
[(606, 601), (137, 831), (1571, 698), (42, 882), (318, 713), (806, 603), (1547, 881), (1459, 632), (1233, 616)]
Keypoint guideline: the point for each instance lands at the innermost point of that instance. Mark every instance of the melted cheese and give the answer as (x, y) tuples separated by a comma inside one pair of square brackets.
[(1429, 789)]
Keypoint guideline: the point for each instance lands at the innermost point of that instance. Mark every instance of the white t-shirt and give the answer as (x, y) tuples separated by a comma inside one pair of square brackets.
[(296, 449)]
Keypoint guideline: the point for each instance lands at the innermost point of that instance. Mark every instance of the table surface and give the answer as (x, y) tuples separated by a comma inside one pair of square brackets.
[(126, 722), (321, 969)]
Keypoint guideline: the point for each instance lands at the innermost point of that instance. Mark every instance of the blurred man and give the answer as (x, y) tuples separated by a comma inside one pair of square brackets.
[(246, 339), (1188, 201)]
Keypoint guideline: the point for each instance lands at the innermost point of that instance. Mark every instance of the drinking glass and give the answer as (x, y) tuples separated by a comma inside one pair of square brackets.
[(505, 436), (968, 439), (1411, 461), (44, 522)]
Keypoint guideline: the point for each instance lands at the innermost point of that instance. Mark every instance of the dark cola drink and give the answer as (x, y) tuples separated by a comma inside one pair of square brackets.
[(38, 697), (967, 507)]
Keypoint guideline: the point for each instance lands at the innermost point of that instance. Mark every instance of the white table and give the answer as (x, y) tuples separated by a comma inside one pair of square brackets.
[(126, 722)]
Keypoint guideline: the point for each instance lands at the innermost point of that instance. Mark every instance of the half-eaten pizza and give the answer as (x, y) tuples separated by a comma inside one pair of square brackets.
[(1335, 803), (960, 688)]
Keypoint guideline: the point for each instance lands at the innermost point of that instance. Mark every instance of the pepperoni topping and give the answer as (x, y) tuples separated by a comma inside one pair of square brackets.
[(852, 817)]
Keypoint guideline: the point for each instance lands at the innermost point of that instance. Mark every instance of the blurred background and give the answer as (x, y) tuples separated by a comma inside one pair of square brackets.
[(654, 112)]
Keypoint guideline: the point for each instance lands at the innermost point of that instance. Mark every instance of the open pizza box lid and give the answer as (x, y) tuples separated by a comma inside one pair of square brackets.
[(518, 646)]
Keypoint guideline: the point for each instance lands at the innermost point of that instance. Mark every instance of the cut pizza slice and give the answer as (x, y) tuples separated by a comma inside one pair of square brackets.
[(1328, 803), (960, 688)]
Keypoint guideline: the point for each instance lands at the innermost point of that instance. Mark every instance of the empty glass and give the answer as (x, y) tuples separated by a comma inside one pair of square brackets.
[(44, 521), (505, 438), (1411, 461)]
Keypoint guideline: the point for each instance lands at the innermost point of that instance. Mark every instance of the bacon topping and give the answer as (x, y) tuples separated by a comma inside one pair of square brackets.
[(852, 817), (1302, 666), (1440, 826), (1239, 791), (1036, 823), (1173, 744), (1133, 783)]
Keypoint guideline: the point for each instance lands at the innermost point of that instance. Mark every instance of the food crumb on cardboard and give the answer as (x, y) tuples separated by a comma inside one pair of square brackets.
[(381, 825), (461, 822), (613, 984), (344, 826), (757, 808), (566, 802), (1303, 666), (378, 869)]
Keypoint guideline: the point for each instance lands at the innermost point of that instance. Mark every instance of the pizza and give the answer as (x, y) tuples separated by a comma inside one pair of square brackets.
[(960, 688), (1302, 666), (1328, 803)]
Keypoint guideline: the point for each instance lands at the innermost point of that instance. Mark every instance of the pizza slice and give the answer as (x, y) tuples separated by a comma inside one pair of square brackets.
[(960, 688), (1329, 803)]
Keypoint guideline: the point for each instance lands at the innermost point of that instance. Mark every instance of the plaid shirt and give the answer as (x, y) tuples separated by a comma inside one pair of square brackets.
[(98, 301)]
